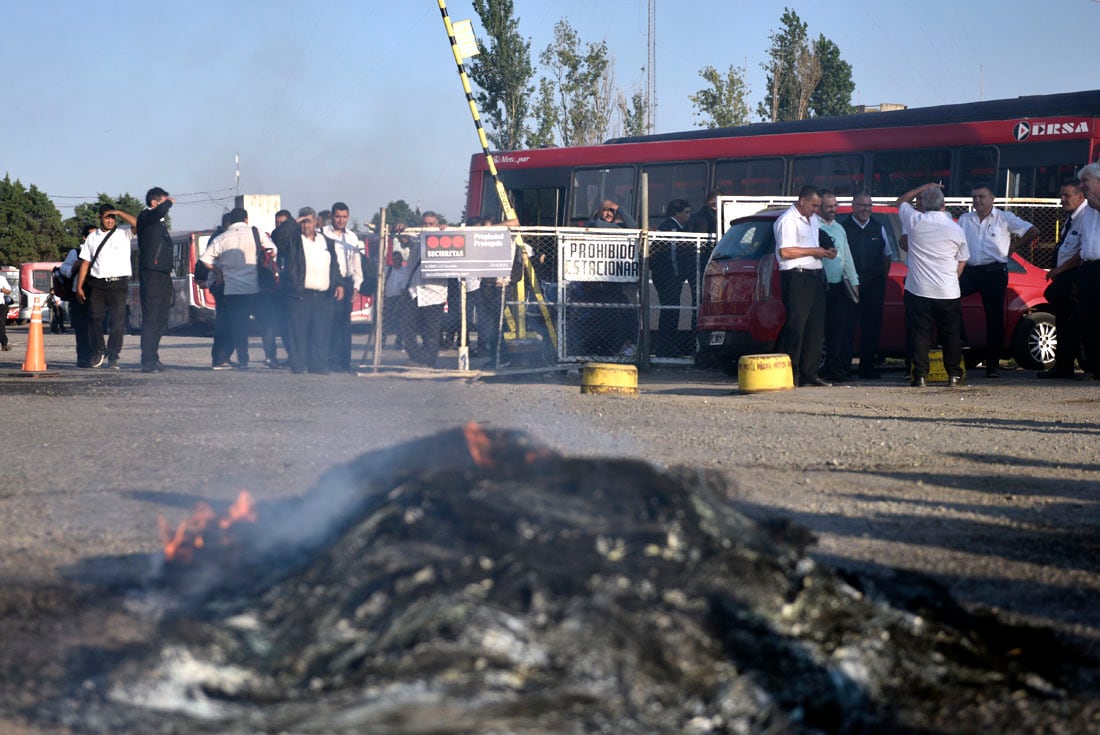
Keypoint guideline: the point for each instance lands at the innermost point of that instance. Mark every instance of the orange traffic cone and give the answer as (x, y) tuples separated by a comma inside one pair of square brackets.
[(35, 361)]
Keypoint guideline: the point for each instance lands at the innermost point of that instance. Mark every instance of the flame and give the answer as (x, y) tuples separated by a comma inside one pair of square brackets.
[(478, 443), (189, 535)]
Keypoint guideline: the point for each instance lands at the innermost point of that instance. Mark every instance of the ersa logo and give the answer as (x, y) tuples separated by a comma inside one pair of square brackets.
[(445, 246), (1042, 129)]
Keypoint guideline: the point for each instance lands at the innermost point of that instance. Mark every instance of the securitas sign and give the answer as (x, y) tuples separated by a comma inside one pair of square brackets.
[(1029, 129)]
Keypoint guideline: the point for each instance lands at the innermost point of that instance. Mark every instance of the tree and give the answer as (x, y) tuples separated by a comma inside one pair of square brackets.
[(782, 68), (833, 95), (545, 116), (723, 104), (583, 87), (30, 225), (399, 212), (87, 213), (503, 71), (633, 114)]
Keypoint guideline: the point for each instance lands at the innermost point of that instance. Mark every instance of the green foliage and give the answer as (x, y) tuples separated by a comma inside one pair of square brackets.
[(503, 71), (788, 49), (583, 86), (400, 212), (88, 212), (722, 105), (804, 78), (833, 95), (30, 225), (633, 114), (545, 117)]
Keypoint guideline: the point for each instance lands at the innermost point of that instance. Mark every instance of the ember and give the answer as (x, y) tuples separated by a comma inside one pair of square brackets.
[(189, 535)]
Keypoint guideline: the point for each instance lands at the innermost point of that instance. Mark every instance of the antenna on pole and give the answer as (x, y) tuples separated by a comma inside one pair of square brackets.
[(981, 81), (237, 166), (651, 72)]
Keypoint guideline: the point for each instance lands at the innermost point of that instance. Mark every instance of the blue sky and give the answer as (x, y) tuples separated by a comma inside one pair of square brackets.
[(360, 100)]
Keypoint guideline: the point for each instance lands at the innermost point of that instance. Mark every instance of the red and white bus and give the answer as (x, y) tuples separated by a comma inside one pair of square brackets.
[(35, 279), (1024, 147)]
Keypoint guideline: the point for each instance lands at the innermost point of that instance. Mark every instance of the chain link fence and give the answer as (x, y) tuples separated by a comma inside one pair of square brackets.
[(581, 300)]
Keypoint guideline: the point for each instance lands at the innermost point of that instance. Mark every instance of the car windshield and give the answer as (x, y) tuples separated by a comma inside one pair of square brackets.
[(746, 239)]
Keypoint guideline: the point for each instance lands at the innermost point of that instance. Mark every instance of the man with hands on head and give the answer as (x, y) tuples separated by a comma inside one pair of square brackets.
[(937, 256)]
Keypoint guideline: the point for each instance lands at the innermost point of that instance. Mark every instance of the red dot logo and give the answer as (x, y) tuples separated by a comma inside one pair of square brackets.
[(445, 242), (458, 242), (433, 242)]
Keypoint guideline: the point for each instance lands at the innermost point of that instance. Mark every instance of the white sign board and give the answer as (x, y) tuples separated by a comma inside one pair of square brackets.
[(587, 257)]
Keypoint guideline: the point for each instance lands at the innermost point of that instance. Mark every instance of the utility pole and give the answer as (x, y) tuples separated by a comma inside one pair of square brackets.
[(651, 72)]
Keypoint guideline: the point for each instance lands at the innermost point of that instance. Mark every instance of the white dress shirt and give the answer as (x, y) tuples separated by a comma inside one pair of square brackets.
[(317, 262), (114, 258), (1071, 244), (348, 254), (936, 247), (989, 239), (792, 230), (1090, 234)]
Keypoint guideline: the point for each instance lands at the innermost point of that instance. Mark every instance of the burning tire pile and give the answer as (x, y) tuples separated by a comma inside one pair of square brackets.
[(476, 582)]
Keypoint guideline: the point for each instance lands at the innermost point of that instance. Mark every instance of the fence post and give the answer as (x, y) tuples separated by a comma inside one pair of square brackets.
[(380, 289), (643, 277)]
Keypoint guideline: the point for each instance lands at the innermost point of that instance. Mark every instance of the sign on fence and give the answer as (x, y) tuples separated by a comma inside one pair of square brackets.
[(587, 257), (480, 252)]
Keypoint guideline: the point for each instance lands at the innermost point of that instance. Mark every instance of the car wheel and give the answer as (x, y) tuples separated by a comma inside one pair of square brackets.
[(1035, 341)]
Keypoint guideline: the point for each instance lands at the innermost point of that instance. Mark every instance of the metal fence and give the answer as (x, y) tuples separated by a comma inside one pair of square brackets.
[(580, 300), (581, 297)]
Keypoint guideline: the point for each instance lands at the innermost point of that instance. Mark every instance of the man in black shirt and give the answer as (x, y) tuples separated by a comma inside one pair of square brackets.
[(156, 263)]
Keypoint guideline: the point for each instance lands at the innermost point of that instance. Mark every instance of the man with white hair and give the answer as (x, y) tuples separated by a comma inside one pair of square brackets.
[(1088, 273), (937, 255)]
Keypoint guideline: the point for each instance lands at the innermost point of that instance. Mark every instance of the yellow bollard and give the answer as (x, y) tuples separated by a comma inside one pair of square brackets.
[(609, 377), (759, 373)]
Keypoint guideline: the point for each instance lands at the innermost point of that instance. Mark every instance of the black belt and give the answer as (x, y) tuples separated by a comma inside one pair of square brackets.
[(109, 280)]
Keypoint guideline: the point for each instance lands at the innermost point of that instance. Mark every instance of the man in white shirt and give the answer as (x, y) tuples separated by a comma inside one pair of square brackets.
[(1061, 294), (350, 259), (798, 253), (937, 256), (104, 282), (233, 258), (1088, 272), (988, 237)]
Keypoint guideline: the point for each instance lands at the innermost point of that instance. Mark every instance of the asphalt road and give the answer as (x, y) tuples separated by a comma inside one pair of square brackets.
[(992, 489)]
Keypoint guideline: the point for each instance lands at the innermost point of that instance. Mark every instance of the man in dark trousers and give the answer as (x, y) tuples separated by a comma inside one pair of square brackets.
[(798, 253), (670, 264), (1061, 294), (871, 255), (156, 262)]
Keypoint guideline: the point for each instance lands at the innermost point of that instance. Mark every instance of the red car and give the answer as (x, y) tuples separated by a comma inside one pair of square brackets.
[(741, 312)]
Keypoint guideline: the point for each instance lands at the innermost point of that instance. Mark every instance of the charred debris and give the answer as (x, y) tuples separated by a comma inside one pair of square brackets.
[(477, 582)]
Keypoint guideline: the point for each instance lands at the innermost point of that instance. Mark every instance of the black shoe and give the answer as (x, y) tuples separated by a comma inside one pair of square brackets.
[(917, 381), (870, 374), (816, 381), (956, 381), (992, 372), (1055, 374), (160, 367), (148, 368)]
